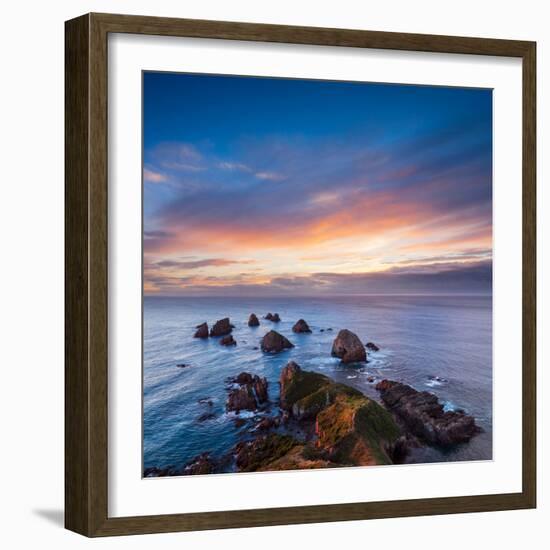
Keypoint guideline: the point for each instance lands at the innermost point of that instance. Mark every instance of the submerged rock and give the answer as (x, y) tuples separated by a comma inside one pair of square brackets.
[(301, 326), (228, 341), (221, 327), (253, 321), (348, 347), (273, 342), (206, 416), (423, 415), (274, 317), (202, 331), (372, 346)]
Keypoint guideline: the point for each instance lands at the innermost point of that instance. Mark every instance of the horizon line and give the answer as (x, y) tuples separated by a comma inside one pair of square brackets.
[(284, 296)]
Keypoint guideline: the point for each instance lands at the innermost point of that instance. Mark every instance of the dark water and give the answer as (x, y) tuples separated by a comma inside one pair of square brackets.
[(419, 337)]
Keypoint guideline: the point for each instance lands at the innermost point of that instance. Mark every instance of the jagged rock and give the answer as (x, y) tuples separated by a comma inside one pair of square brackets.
[(423, 415), (202, 331), (274, 317), (372, 346), (251, 456), (260, 388), (252, 387), (228, 341), (401, 448), (241, 398), (275, 453), (201, 464), (242, 378), (253, 321), (301, 326), (348, 347), (221, 327), (273, 342)]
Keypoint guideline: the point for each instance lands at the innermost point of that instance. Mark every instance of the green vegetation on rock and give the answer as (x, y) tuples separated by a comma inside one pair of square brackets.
[(351, 428)]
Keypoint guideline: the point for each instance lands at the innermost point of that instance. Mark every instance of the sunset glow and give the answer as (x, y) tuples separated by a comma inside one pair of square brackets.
[(278, 186)]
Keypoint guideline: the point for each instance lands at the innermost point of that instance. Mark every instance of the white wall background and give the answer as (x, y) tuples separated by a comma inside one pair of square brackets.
[(31, 273)]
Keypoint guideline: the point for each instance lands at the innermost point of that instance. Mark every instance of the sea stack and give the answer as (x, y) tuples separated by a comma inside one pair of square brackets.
[(253, 320), (221, 327), (273, 342), (273, 317), (228, 341), (348, 347), (301, 326), (202, 331)]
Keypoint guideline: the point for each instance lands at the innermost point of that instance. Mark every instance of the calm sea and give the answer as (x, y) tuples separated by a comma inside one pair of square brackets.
[(420, 337)]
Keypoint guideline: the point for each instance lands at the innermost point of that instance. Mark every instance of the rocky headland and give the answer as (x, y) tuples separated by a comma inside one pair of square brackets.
[(317, 422)]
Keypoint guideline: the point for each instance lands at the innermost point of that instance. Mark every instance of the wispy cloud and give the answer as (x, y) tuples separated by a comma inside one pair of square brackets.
[(234, 166), (150, 176), (197, 264), (271, 176)]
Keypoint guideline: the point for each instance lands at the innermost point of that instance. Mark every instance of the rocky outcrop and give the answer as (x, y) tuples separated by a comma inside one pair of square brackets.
[(301, 326), (250, 456), (260, 388), (228, 341), (253, 321), (275, 452), (241, 399), (221, 327), (423, 415), (273, 342), (356, 430), (202, 331), (371, 346), (201, 464), (348, 347), (252, 391), (274, 317), (303, 393), (242, 378), (351, 428)]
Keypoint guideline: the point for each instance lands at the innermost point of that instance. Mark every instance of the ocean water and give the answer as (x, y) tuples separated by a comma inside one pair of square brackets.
[(420, 338)]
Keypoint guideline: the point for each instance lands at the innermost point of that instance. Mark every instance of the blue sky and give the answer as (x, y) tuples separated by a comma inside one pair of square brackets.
[(267, 185)]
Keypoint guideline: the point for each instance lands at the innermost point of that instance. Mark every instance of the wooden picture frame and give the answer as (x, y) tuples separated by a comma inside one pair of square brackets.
[(86, 282)]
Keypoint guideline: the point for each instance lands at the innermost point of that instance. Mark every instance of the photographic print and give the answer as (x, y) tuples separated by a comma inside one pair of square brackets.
[(317, 274)]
